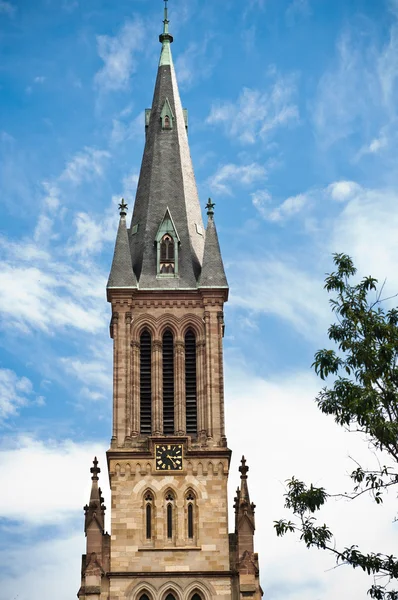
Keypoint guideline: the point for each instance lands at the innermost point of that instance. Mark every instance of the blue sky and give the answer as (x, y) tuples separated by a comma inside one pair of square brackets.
[(293, 133)]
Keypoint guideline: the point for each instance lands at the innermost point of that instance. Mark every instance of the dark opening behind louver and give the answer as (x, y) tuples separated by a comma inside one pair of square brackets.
[(190, 382), (168, 383), (145, 384)]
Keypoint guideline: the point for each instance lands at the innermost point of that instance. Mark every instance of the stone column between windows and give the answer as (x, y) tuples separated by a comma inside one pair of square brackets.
[(220, 320), (209, 377), (200, 387), (127, 354), (135, 388), (115, 336), (179, 388), (157, 387), (121, 375)]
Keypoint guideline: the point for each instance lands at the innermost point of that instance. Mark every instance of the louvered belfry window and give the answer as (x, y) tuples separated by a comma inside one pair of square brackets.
[(145, 384), (168, 382), (190, 383)]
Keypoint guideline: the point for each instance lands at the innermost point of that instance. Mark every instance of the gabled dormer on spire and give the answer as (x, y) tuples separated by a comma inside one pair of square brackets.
[(166, 181), (167, 116), (167, 242)]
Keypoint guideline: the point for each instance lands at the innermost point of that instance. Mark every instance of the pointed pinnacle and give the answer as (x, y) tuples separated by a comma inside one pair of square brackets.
[(95, 469), (123, 208)]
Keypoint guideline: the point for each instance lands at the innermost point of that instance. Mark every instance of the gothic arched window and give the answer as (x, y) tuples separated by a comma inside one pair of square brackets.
[(144, 597), (148, 515), (145, 383), (167, 255), (190, 383), (169, 516), (167, 122), (190, 503), (170, 597), (168, 382)]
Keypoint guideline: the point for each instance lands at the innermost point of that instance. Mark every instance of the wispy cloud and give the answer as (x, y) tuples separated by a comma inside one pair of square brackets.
[(85, 165), (194, 64), (256, 113), (7, 8), (118, 55), (280, 287), (15, 392), (296, 9), (357, 95), (229, 174)]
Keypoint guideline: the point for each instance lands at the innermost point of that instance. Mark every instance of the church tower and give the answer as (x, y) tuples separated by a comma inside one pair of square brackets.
[(168, 461)]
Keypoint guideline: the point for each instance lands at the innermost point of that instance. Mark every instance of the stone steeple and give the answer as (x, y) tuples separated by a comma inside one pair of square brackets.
[(166, 184), (246, 560), (95, 562)]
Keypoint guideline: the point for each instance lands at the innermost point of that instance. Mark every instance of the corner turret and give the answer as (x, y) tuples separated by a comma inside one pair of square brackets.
[(95, 563)]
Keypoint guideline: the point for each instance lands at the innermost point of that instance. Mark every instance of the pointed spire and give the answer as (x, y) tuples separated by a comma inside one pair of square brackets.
[(95, 509), (166, 180), (213, 273), (122, 274)]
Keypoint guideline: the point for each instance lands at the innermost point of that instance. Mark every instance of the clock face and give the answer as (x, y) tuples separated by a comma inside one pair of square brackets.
[(168, 457)]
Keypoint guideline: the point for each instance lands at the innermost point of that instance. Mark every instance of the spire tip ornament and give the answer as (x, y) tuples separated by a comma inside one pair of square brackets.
[(243, 468), (123, 208), (210, 208), (95, 470), (165, 36)]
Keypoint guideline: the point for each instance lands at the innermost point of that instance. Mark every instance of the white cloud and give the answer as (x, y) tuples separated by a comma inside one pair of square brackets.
[(15, 392), (7, 8), (367, 229), (118, 56), (229, 174), (343, 190), (95, 374), (68, 464), (275, 422), (256, 114), (261, 200), (41, 293), (85, 165), (357, 94), (51, 568), (280, 287), (291, 206)]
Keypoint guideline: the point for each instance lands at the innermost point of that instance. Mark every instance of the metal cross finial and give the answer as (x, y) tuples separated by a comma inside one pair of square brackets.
[(123, 208), (243, 468), (210, 208), (95, 469)]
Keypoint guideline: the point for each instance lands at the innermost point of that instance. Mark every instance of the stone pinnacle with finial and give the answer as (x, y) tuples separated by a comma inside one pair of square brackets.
[(210, 208)]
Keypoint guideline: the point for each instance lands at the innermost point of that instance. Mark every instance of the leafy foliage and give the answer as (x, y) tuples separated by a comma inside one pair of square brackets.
[(364, 398)]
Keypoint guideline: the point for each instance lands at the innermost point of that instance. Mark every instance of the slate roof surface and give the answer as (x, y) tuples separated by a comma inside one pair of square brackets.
[(122, 274), (213, 274), (167, 181)]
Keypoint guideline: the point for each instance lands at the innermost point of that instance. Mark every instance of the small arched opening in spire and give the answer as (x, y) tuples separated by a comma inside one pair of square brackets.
[(167, 255), (167, 242)]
